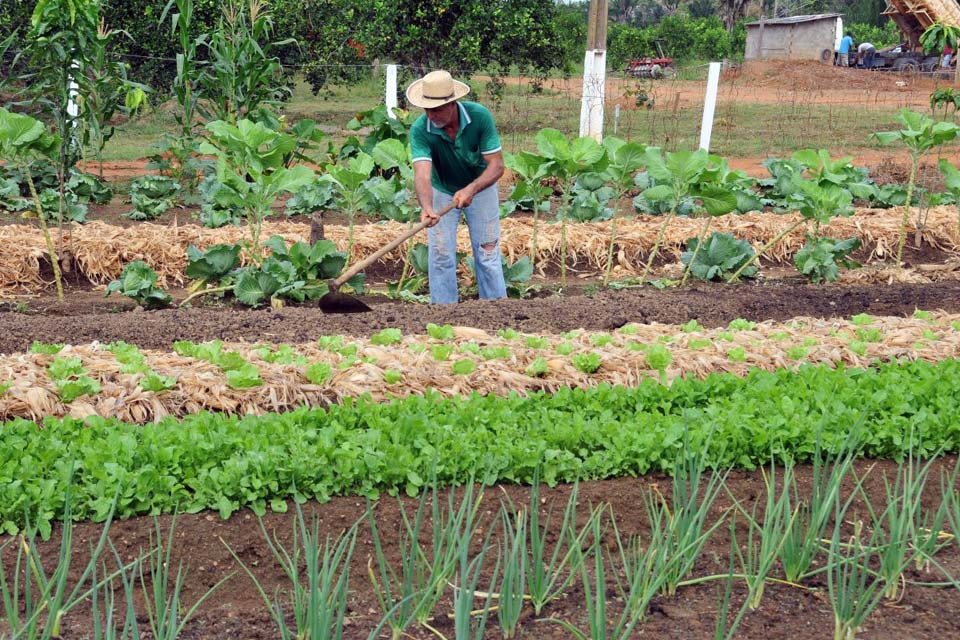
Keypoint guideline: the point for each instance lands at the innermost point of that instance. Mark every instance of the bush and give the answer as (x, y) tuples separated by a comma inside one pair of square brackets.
[(680, 37)]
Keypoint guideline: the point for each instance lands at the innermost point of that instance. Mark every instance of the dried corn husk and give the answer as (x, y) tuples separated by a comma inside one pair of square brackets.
[(699, 352)]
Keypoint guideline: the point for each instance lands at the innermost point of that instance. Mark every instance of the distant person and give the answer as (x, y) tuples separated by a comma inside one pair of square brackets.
[(843, 57), (947, 56), (865, 54)]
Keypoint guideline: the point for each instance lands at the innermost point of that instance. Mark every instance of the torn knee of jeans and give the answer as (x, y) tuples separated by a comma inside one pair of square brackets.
[(488, 248)]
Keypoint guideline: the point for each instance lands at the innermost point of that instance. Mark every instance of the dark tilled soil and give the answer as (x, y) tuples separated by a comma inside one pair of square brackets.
[(203, 541), (88, 316), (237, 611)]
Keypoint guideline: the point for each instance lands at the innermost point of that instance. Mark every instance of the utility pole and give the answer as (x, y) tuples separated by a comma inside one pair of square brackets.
[(594, 72)]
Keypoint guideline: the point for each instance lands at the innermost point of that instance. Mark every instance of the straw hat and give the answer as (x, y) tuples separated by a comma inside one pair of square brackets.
[(435, 89)]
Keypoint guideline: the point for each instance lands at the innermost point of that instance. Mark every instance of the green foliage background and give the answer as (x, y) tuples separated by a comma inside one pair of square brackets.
[(339, 39)]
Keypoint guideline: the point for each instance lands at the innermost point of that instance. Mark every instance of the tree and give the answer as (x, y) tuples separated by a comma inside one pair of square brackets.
[(731, 11)]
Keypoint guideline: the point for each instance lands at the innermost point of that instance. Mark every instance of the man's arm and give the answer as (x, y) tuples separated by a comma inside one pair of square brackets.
[(490, 175), (422, 170)]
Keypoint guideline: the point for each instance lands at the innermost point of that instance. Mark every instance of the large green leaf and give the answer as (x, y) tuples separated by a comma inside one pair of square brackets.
[(389, 153), (212, 264), (630, 157), (17, 131), (528, 166), (288, 180), (685, 166), (717, 200), (553, 145), (659, 192), (254, 286), (656, 165), (951, 176), (586, 152)]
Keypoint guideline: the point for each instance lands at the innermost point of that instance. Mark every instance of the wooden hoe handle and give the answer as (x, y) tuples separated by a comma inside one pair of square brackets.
[(379, 253)]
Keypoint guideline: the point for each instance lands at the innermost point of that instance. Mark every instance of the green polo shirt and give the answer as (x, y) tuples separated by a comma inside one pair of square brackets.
[(456, 163)]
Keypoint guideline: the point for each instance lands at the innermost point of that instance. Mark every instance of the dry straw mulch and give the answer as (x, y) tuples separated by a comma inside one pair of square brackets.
[(101, 250), (623, 361)]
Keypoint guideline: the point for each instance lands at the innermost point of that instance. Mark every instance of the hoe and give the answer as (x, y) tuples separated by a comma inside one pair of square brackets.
[(336, 301)]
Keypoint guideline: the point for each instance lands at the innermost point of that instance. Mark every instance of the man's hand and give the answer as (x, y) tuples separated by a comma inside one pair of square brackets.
[(429, 216), (463, 197)]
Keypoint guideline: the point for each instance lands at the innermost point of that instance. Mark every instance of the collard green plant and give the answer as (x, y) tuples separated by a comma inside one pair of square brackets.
[(312, 197), (530, 168), (349, 177), (816, 203), (712, 189), (379, 127), (919, 134), (138, 282), (566, 160), (299, 272), (151, 196), (719, 258), (820, 259), (675, 174), (516, 275), (210, 266), (414, 282), (625, 159), (951, 178), (251, 162)]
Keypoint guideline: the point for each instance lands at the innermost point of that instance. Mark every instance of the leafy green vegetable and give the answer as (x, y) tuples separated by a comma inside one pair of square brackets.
[(692, 326), (601, 339), (242, 377), (698, 343), (720, 257), (318, 372), (508, 334), (820, 259), (438, 332), (212, 265), (538, 368), (797, 352), (739, 324), (387, 337), (536, 342), (151, 195), (392, 376), (441, 352), (139, 282), (156, 383), (564, 348), (464, 367), (600, 432), (495, 353), (586, 362), (49, 349), (737, 354)]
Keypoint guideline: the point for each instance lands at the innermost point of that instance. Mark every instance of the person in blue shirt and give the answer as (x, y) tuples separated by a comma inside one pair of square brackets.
[(457, 158), (843, 58)]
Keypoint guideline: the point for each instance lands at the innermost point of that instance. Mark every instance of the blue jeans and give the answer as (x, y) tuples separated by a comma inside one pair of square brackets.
[(483, 221)]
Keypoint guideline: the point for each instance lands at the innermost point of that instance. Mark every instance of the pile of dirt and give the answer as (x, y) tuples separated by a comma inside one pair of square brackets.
[(803, 75)]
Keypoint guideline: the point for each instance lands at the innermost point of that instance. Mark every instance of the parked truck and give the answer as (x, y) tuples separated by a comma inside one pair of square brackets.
[(913, 17)]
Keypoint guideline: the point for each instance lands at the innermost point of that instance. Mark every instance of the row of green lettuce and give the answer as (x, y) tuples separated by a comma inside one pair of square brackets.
[(211, 461)]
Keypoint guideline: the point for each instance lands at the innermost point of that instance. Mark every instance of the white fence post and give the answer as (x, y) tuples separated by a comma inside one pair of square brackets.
[(591, 107), (391, 95), (709, 105)]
